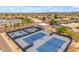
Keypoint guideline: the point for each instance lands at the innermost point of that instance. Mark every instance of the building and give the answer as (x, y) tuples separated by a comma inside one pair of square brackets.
[(9, 22), (43, 25)]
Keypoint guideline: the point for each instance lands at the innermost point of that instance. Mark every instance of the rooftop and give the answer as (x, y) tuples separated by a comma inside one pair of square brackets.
[(43, 24)]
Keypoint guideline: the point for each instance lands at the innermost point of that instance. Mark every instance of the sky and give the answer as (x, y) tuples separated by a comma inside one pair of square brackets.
[(38, 9)]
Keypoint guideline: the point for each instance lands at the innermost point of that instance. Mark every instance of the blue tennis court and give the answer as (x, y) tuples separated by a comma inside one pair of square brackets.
[(23, 32), (31, 30), (34, 37), (52, 45), (17, 34)]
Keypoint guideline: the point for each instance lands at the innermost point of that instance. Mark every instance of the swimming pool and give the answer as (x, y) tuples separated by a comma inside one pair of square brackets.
[(52, 45), (34, 37)]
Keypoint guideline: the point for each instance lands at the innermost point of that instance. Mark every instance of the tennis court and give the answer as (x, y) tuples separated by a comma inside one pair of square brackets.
[(52, 45), (34, 37), (31, 30), (23, 32), (35, 40), (17, 34)]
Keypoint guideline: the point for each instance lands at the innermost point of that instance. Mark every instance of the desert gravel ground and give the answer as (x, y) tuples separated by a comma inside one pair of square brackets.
[(3, 46)]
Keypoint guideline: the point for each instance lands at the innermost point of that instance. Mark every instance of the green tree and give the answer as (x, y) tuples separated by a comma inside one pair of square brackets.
[(26, 20), (29, 20), (65, 21), (55, 16), (5, 26), (62, 29), (73, 18), (53, 22), (43, 19), (18, 24)]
